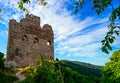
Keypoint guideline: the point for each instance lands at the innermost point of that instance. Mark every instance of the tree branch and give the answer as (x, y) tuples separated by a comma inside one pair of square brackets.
[(112, 6)]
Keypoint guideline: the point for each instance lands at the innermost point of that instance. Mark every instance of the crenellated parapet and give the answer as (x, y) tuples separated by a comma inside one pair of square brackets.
[(31, 20)]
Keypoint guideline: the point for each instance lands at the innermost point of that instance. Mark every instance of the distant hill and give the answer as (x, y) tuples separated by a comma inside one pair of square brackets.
[(83, 68)]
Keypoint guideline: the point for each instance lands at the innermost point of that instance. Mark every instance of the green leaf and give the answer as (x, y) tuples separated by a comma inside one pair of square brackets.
[(106, 37), (76, 3), (26, 1), (81, 3), (105, 50), (117, 32), (76, 10), (103, 41), (42, 2), (111, 40), (109, 47)]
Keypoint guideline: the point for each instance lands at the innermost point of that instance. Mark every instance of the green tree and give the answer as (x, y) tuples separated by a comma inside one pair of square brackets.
[(111, 70), (2, 61)]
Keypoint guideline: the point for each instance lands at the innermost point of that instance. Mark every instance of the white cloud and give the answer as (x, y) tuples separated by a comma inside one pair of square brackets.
[(3, 33), (10, 11)]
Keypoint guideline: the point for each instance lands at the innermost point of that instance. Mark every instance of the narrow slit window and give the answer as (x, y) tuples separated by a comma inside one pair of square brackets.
[(27, 53)]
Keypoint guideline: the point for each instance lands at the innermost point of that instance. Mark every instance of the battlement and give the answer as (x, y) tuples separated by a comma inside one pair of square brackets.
[(29, 20), (33, 18), (12, 21), (47, 27)]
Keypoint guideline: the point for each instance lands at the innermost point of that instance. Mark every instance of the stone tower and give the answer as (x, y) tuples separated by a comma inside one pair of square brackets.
[(27, 39)]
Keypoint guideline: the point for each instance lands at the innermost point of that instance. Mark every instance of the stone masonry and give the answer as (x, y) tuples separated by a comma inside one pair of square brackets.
[(27, 39)]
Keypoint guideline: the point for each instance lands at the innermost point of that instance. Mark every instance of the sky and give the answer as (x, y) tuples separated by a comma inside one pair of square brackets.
[(77, 37)]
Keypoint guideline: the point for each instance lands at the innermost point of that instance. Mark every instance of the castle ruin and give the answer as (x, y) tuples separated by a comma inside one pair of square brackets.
[(27, 39)]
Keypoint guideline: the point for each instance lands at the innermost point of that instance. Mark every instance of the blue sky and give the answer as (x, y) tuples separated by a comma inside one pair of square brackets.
[(76, 36)]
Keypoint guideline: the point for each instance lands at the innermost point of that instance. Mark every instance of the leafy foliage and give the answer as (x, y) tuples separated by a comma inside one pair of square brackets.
[(21, 5), (114, 29), (42, 72), (111, 70), (6, 74), (72, 75), (22, 2), (47, 71)]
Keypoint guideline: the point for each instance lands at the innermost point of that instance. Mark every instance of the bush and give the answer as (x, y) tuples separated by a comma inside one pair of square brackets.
[(42, 72)]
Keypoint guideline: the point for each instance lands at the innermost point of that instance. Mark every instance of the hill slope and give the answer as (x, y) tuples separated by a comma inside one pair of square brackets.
[(83, 68)]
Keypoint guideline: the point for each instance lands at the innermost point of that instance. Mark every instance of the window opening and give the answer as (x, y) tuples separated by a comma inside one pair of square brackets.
[(24, 38), (35, 40), (48, 43), (20, 25), (17, 50)]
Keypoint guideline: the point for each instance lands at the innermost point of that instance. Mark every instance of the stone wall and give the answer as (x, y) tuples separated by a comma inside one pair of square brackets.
[(27, 39)]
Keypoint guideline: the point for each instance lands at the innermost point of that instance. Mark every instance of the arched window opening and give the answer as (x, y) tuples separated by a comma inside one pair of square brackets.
[(35, 40), (48, 43), (24, 38), (17, 51)]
